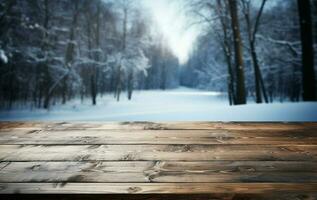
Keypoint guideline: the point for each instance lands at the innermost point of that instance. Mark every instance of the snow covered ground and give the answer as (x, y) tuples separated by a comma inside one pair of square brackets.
[(181, 104)]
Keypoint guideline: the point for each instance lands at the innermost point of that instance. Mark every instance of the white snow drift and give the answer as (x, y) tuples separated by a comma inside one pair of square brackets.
[(173, 105)]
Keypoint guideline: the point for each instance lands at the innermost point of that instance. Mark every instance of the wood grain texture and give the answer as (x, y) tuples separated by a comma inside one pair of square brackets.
[(154, 188), (160, 171), (228, 160), (210, 196), (87, 136), (157, 126), (157, 152)]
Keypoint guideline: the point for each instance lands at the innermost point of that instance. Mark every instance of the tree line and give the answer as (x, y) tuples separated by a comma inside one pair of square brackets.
[(54, 51), (267, 46)]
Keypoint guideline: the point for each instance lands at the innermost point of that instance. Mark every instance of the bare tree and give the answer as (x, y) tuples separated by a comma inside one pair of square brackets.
[(224, 17), (70, 49), (240, 77), (44, 48), (125, 4), (308, 71), (252, 30)]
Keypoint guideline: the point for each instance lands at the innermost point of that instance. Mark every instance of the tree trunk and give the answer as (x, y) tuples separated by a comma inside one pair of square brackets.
[(47, 81), (308, 71), (266, 99), (11, 85), (315, 20), (119, 83), (64, 92), (231, 95), (130, 84), (47, 90), (252, 31), (240, 87), (70, 51), (257, 76), (93, 89), (223, 15), (257, 80), (92, 70), (163, 77), (124, 38)]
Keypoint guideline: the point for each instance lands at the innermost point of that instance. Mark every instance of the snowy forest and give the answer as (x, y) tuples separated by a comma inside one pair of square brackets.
[(249, 51), (53, 51), (256, 50)]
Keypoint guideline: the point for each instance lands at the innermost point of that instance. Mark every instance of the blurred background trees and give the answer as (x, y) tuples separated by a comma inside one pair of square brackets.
[(278, 49), (54, 51)]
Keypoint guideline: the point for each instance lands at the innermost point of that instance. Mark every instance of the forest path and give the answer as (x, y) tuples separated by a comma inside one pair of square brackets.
[(182, 104)]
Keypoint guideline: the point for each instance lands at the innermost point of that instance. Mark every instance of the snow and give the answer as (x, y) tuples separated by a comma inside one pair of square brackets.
[(181, 104), (3, 57)]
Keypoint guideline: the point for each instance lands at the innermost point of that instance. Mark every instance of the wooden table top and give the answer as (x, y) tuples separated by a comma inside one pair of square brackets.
[(158, 158)]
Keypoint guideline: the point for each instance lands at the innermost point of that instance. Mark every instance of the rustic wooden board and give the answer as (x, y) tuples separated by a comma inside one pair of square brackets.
[(157, 126), (227, 159), (157, 152), (209, 196), (125, 172), (154, 188), (87, 136)]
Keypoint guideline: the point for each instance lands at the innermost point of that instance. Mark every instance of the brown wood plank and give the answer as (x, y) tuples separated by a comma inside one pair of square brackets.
[(172, 166), (270, 136), (154, 188), (159, 158), (156, 126), (211, 196), (125, 172), (157, 152)]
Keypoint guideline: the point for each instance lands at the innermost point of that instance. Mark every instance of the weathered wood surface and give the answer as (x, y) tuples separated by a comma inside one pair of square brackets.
[(157, 152), (216, 136), (227, 159), (154, 188), (158, 126), (169, 172), (268, 196)]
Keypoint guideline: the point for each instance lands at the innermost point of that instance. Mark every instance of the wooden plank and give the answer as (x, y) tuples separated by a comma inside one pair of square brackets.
[(154, 188), (280, 137), (159, 158), (211, 196), (172, 166), (129, 197), (125, 172), (156, 126), (157, 152)]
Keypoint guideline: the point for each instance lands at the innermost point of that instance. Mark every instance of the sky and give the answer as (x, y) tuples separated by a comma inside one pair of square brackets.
[(175, 24), (172, 20)]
